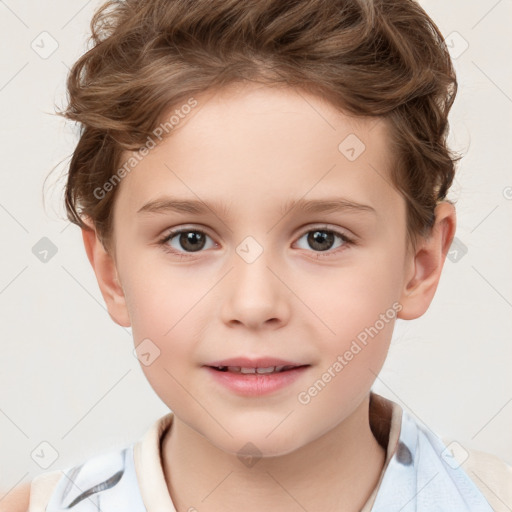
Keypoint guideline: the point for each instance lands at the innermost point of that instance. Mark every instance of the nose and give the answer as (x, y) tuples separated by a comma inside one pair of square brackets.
[(255, 295)]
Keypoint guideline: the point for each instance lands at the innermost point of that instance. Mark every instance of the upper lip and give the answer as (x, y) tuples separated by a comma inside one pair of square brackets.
[(260, 362)]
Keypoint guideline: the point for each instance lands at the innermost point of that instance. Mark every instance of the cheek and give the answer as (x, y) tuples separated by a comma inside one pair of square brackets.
[(353, 354), (164, 305), (347, 299), (161, 327), (159, 297), (356, 312)]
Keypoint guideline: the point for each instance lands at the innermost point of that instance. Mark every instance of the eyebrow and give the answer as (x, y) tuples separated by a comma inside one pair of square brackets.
[(326, 205)]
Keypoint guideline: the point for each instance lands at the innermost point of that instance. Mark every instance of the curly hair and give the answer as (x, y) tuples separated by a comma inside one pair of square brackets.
[(381, 58)]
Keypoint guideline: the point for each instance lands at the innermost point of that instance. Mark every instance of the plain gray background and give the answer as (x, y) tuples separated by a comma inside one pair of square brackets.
[(68, 376)]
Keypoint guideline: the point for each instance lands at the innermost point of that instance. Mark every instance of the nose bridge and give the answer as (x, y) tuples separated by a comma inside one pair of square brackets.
[(255, 294), (252, 262)]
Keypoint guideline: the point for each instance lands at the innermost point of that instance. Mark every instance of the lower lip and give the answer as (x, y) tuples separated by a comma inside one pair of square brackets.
[(257, 384)]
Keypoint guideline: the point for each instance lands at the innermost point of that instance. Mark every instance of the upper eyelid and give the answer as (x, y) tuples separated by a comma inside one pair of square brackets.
[(305, 229)]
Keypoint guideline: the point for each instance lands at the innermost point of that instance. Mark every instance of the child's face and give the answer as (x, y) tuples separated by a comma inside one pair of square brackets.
[(253, 151)]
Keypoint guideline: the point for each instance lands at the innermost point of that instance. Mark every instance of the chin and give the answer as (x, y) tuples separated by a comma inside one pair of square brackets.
[(260, 445), (250, 451)]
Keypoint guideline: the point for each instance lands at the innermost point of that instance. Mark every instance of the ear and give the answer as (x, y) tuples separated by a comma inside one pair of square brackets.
[(426, 262), (105, 269)]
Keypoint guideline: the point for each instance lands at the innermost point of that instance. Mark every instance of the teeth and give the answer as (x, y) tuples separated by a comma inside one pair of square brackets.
[(271, 369), (238, 369)]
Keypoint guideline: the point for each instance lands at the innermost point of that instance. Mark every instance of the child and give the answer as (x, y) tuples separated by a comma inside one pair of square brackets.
[(302, 144)]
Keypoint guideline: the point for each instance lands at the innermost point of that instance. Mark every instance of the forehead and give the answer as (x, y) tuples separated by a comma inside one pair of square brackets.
[(255, 145)]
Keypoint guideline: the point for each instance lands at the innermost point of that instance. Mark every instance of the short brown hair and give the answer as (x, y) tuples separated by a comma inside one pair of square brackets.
[(383, 58)]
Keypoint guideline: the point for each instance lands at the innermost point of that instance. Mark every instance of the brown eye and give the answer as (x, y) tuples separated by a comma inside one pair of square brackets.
[(186, 241), (322, 240)]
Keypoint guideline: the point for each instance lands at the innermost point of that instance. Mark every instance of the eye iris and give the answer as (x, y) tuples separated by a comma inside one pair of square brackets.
[(194, 238), (317, 237)]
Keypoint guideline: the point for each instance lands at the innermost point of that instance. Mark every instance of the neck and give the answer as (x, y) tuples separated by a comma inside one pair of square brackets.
[(338, 471)]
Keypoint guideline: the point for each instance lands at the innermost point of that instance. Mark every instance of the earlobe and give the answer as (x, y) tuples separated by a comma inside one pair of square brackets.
[(106, 274), (430, 254)]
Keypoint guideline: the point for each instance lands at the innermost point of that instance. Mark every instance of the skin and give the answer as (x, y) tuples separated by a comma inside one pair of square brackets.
[(255, 147)]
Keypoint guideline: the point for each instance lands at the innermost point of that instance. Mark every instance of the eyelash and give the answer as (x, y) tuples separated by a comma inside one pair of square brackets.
[(348, 241)]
